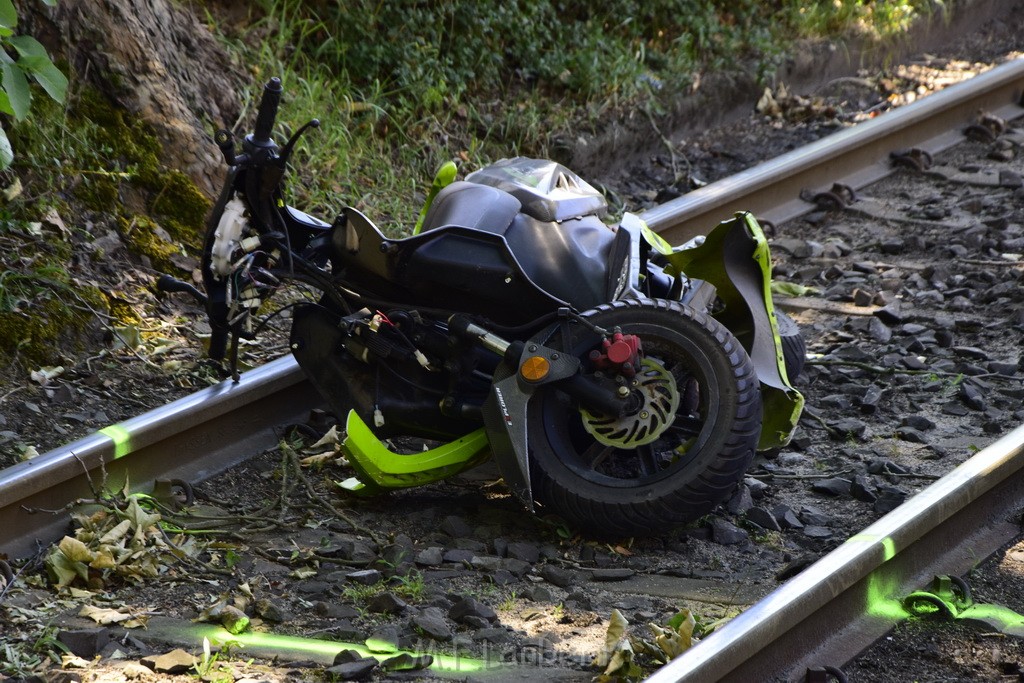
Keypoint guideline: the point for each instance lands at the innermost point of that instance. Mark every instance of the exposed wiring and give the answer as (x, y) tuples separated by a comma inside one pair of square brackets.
[(415, 385)]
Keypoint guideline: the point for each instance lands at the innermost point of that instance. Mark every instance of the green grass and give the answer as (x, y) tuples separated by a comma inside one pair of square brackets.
[(400, 87), (873, 20), (410, 587)]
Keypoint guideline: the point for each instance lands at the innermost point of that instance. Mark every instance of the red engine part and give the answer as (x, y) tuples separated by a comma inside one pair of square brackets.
[(620, 354)]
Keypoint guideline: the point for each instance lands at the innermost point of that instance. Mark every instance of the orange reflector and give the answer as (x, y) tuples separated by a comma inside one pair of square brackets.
[(535, 368)]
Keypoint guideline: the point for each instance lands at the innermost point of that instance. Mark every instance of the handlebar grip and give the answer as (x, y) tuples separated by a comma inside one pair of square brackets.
[(166, 283), (268, 111)]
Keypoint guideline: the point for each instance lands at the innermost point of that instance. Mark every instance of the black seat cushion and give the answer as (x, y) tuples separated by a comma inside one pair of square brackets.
[(469, 205)]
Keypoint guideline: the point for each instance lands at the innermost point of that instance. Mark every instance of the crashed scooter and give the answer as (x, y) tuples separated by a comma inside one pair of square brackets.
[(619, 383)]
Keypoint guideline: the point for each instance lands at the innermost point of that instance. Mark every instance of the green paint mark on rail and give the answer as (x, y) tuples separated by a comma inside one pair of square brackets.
[(297, 647), (882, 598), (122, 439), (888, 545)]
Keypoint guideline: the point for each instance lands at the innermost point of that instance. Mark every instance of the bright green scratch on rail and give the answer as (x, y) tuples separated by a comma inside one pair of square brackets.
[(881, 583), (298, 647), (122, 439)]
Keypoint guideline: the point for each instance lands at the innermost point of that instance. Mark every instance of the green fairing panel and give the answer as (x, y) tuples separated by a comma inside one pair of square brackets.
[(444, 177), (379, 468), (734, 258)]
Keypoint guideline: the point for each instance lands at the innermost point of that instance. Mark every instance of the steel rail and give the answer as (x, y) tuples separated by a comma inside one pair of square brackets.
[(848, 599), (192, 438), (856, 157), (851, 597)]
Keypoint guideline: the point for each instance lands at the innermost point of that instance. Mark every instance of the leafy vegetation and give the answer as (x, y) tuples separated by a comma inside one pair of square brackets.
[(31, 60), (403, 86), (22, 656), (667, 641)]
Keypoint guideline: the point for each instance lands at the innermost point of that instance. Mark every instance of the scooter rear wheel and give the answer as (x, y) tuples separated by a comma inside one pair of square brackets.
[(794, 348), (612, 484)]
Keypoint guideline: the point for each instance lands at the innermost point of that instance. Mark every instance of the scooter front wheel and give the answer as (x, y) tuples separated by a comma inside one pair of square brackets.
[(688, 438)]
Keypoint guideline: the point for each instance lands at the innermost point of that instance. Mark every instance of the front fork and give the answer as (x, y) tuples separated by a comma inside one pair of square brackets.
[(525, 367), (528, 366)]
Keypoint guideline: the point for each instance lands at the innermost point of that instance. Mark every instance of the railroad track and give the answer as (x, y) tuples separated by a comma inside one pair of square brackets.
[(851, 597), (844, 594)]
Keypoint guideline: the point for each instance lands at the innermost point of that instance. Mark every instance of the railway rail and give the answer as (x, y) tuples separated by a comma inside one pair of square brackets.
[(850, 597), (845, 594)]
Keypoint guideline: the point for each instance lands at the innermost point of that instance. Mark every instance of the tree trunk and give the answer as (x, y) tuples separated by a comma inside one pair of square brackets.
[(157, 61)]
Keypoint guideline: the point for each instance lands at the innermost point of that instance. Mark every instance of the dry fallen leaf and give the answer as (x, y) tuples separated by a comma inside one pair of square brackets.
[(103, 615), (45, 374), (303, 573), (318, 459), (53, 218), (73, 662), (331, 438), (12, 190)]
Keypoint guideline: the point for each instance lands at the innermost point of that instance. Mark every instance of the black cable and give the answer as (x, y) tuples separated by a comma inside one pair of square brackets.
[(415, 385), (266, 320), (401, 334), (315, 278)]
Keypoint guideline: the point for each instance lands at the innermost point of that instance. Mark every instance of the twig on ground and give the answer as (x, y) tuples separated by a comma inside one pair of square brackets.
[(293, 458)]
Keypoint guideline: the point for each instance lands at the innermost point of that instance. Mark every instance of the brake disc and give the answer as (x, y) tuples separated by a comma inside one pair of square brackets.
[(657, 399)]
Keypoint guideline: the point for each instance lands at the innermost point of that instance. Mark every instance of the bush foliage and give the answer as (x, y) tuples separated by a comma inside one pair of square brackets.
[(403, 85), (427, 53), (22, 57)]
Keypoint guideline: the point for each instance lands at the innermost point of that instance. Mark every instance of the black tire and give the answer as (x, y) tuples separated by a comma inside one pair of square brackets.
[(794, 348), (648, 489)]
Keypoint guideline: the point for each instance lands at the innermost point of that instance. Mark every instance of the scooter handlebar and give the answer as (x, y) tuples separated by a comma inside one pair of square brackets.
[(166, 283), (267, 112)]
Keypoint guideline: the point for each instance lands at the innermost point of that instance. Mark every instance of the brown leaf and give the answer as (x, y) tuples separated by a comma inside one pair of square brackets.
[(75, 550), (103, 615)]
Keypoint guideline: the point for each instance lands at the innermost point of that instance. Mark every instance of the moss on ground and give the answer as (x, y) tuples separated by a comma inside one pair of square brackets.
[(32, 335), (88, 158), (173, 200), (144, 237)]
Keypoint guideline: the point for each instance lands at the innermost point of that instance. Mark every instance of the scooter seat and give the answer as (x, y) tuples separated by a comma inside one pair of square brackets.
[(468, 205)]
